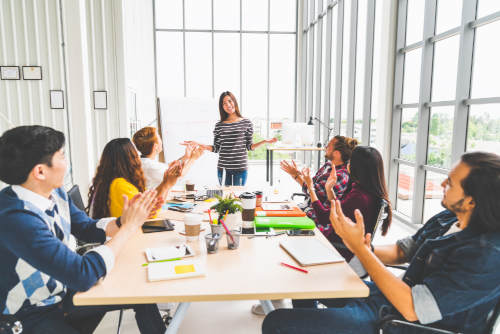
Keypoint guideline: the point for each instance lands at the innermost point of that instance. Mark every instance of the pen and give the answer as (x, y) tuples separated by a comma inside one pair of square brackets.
[(167, 260), (293, 267)]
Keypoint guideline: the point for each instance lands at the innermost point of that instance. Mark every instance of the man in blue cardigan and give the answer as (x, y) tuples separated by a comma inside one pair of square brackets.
[(38, 225)]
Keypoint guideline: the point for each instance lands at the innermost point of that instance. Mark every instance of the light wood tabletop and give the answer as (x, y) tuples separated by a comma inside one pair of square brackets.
[(251, 272)]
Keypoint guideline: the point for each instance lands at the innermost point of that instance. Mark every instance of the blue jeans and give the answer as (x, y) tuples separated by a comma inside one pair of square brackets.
[(233, 177), (346, 316), (65, 318)]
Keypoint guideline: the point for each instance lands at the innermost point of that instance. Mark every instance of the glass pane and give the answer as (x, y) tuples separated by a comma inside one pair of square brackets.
[(324, 89), (487, 7), (317, 50), (483, 133), (411, 80), (309, 72), (226, 63), (444, 79), (433, 194), (283, 15), (198, 64), (254, 14), (449, 15), (360, 68), (170, 64), (377, 89), (168, 14), (333, 65), (408, 140), (345, 68), (404, 199), (254, 68), (440, 134), (198, 14), (282, 76), (226, 15), (415, 21), (486, 70)]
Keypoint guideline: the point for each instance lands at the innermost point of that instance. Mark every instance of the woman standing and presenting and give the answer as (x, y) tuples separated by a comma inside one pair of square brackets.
[(232, 140)]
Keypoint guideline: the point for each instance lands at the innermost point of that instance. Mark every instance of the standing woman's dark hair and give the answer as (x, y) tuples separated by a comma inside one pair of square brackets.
[(367, 170), (119, 159), (223, 114)]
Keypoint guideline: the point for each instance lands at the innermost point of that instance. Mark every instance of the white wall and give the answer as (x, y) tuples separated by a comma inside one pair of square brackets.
[(81, 46)]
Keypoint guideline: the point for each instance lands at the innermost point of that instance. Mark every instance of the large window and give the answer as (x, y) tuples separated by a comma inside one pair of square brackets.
[(205, 47), (446, 96), (337, 67)]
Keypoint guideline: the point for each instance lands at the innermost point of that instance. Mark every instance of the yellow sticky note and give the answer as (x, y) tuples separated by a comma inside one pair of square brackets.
[(184, 269)]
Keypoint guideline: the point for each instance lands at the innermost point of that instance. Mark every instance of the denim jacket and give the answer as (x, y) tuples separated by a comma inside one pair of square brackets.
[(455, 279)]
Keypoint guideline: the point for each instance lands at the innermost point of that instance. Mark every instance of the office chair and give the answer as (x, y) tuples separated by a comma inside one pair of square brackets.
[(493, 321), (76, 197), (382, 215)]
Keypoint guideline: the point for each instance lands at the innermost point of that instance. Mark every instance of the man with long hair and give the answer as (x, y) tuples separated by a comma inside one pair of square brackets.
[(38, 225), (454, 264)]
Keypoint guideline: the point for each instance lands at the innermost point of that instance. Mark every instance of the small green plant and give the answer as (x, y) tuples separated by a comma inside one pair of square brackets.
[(227, 204)]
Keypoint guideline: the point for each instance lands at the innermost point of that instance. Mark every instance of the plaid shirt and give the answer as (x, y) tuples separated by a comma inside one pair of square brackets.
[(319, 181)]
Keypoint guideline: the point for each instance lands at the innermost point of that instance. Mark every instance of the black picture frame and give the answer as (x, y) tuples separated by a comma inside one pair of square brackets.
[(98, 106), (11, 66), (52, 103), (31, 66)]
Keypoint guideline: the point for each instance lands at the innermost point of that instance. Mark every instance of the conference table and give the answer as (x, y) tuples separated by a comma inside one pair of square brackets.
[(251, 272)]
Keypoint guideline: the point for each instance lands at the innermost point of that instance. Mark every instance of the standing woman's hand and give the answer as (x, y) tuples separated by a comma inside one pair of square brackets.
[(272, 140)]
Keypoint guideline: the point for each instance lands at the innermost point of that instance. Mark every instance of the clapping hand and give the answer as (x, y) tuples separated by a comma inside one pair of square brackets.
[(352, 234), (306, 175), (332, 178), (290, 168), (172, 173), (137, 210)]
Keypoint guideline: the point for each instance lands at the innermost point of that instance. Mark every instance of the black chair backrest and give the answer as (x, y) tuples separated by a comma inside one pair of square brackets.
[(76, 197), (382, 215)]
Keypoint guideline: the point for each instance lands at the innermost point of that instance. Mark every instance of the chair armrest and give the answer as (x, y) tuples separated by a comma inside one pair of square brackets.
[(402, 267), (397, 322), (300, 195)]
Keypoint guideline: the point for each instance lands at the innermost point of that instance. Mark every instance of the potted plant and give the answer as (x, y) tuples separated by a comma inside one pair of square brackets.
[(232, 207)]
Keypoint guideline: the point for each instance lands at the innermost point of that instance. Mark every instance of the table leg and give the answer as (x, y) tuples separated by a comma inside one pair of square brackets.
[(267, 165), (267, 306), (271, 153), (173, 327)]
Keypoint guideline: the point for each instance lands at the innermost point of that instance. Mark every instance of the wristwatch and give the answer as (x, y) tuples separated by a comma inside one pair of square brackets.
[(118, 222)]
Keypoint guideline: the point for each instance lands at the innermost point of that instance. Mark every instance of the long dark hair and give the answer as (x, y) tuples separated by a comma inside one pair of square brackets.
[(223, 114), (483, 185), (367, 170), (119, 159)]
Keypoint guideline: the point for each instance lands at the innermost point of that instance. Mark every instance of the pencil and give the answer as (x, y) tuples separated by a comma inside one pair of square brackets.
[(293, 267)]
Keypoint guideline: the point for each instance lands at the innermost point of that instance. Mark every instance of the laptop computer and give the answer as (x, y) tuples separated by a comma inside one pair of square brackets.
[(310, 251)]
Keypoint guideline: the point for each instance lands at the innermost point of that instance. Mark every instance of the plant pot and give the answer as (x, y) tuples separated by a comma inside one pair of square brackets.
[(219, 229)]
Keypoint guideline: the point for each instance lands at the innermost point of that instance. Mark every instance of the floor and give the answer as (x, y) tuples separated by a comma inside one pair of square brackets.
[(235, 317)]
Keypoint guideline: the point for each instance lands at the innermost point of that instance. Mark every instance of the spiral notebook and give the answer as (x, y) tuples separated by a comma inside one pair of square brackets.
[(309, 251), (161, 271)]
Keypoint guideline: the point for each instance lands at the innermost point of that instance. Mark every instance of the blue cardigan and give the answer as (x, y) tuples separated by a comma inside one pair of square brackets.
[(37, 267)]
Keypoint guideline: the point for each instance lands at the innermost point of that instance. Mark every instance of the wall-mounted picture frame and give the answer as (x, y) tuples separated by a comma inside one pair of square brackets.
[(32, 73), (10, 73), (56, 99), (100, 99)]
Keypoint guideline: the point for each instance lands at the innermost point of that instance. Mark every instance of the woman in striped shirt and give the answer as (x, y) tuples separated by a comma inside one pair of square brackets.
[(232, 140)]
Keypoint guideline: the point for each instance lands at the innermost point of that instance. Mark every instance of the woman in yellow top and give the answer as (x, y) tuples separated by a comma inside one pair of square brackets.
[(120, 173)]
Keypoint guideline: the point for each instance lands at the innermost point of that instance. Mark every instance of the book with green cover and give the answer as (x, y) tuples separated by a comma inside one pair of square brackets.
[(285, 222)]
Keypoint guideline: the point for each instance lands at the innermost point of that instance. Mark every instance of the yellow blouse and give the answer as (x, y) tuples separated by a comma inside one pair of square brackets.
[(117, 189)]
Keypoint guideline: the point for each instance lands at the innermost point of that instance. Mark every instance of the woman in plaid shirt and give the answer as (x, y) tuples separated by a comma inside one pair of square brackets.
[(338, 151)]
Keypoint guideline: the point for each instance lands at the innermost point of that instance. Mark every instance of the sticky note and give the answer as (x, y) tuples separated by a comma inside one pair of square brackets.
[(184, 269)]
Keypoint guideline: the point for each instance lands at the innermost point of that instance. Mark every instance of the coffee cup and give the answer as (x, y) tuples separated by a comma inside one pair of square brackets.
[(189, 186), (192, 225), (248, 202)]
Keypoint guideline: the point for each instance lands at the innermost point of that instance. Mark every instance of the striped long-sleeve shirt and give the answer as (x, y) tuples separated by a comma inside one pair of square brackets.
[(232, 141)]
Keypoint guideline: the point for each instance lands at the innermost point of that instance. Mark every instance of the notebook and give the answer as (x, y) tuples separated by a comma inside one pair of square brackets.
[(161, 271), (269, 206), (304, 223), (310, 251), (294, 212)]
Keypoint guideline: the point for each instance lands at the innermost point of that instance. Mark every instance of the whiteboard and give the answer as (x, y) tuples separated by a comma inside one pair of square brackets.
[(190, 119)]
